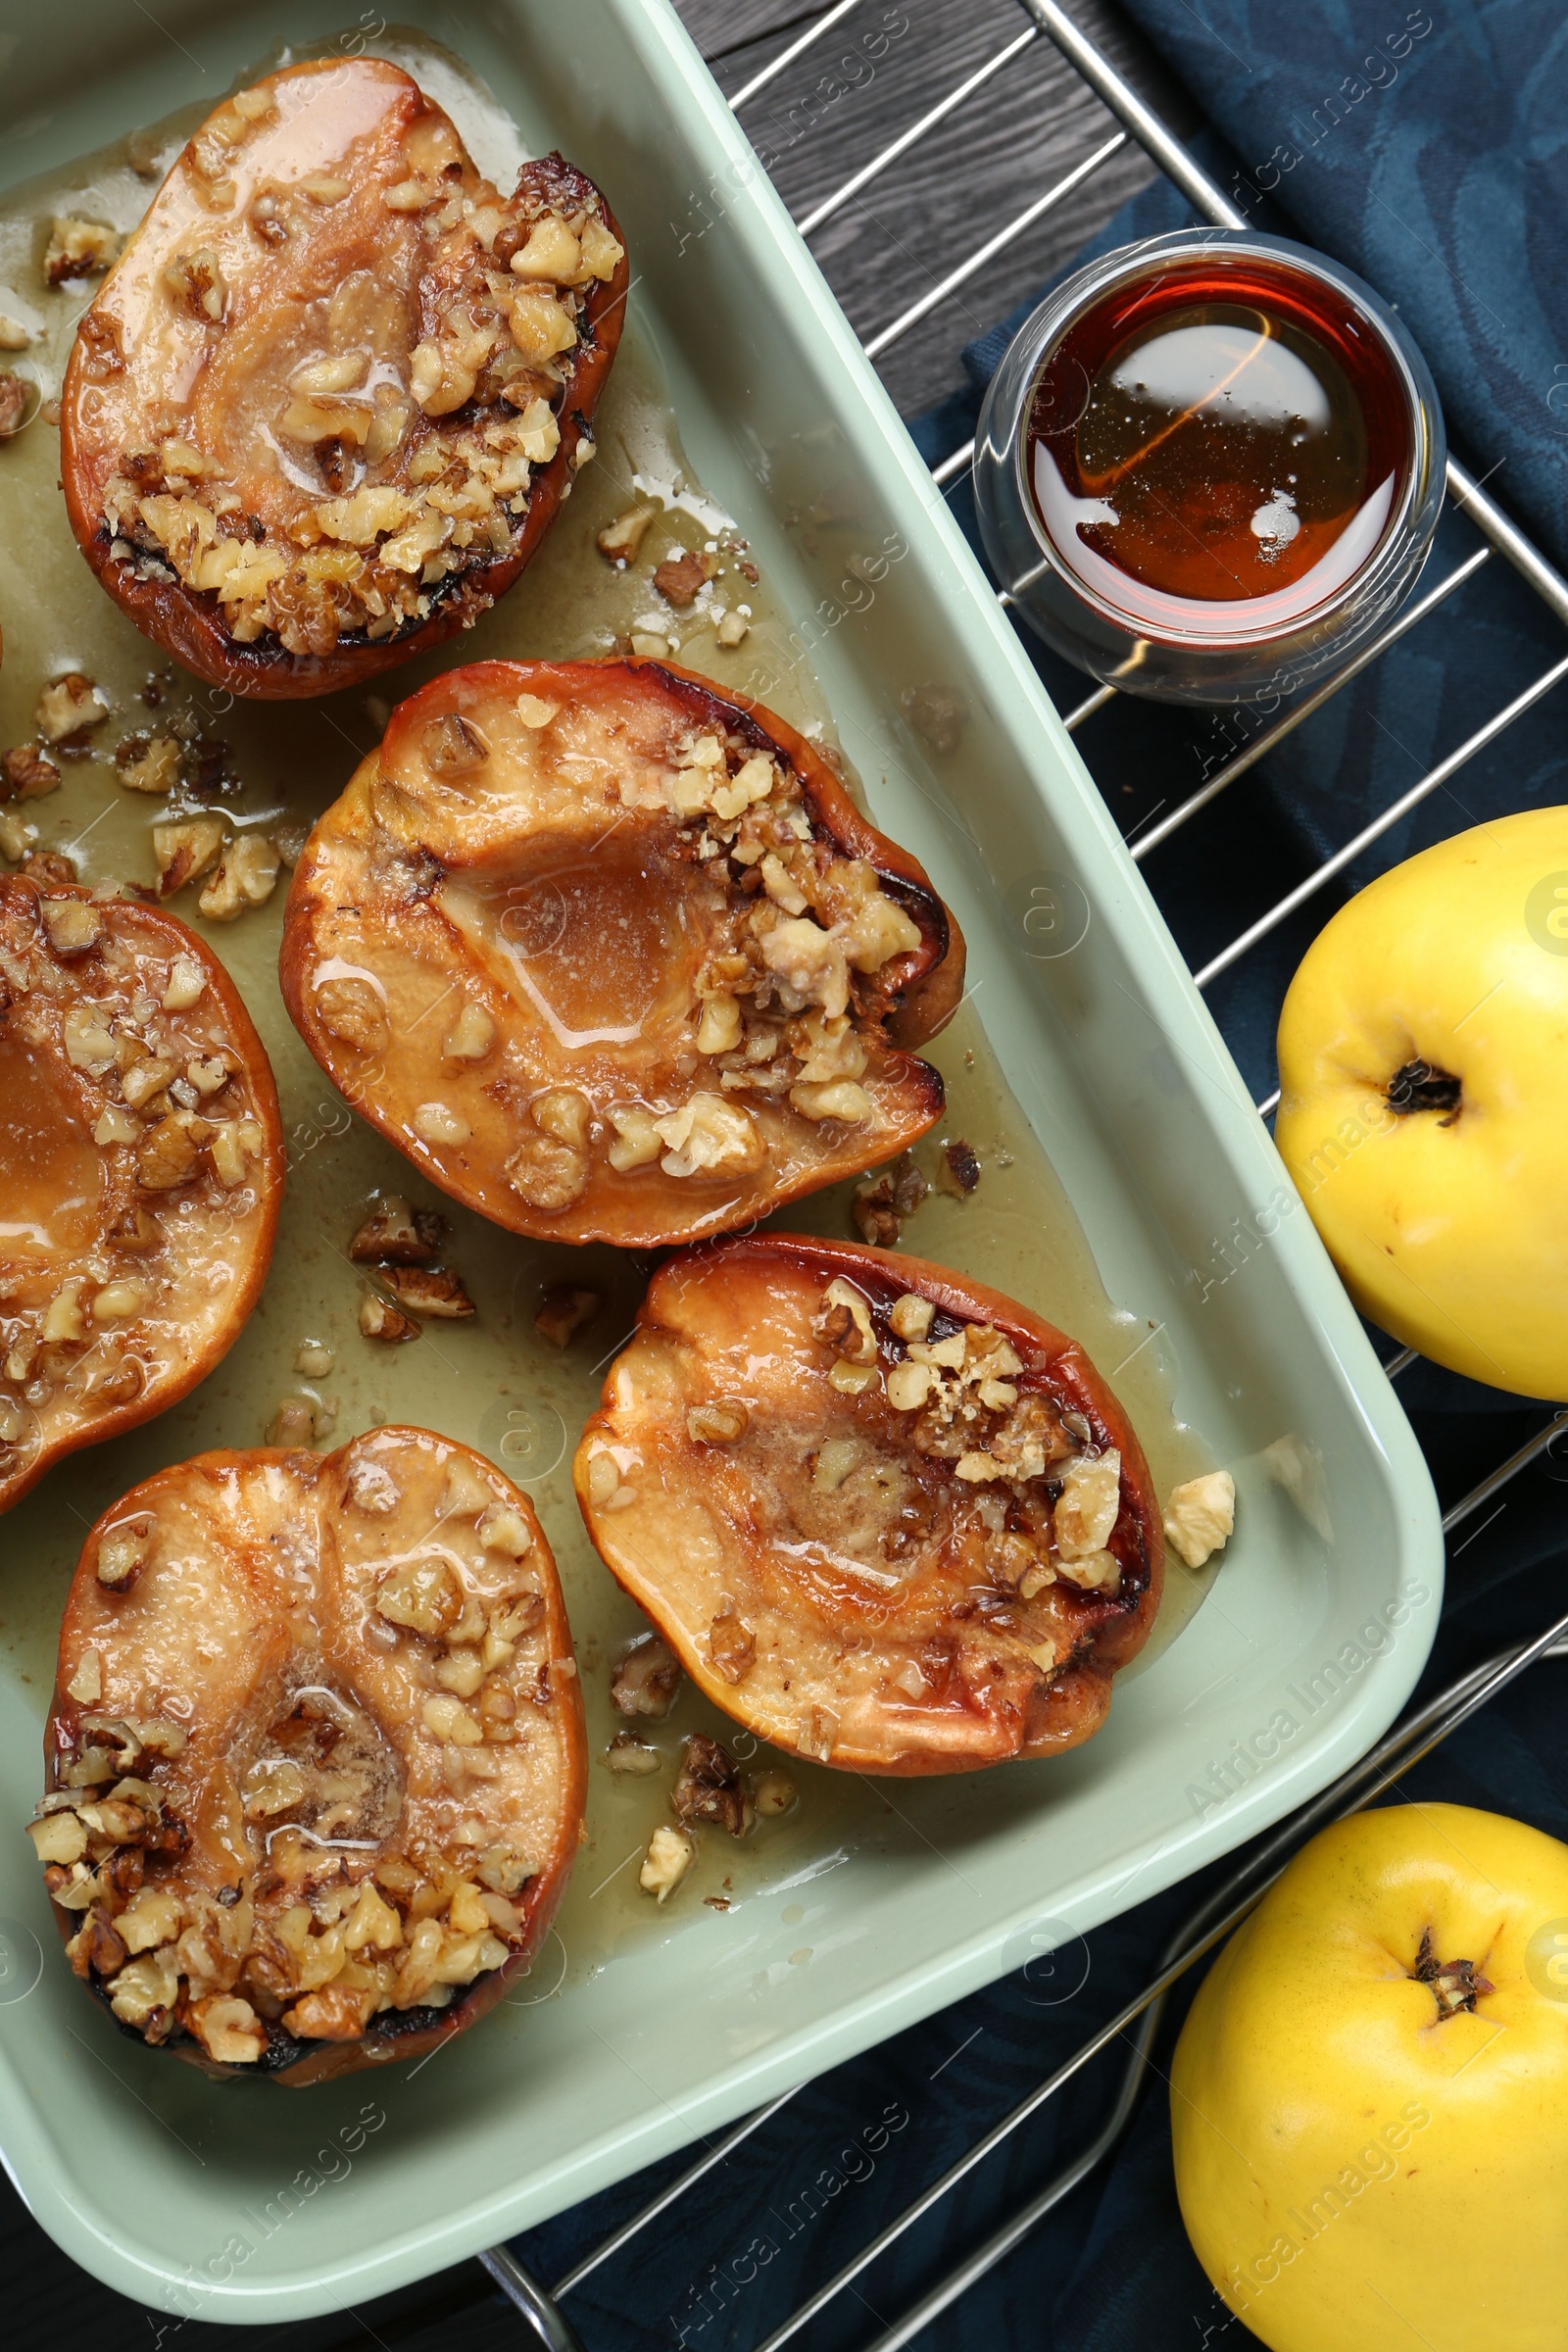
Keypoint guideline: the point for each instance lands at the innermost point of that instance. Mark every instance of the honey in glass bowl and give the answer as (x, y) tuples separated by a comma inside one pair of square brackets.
[(1223, 461)]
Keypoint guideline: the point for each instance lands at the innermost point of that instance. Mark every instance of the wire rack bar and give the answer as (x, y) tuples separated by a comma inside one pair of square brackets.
[(1494, 727), (718, 2154), (786, 57), (916, 132), (1086, 710), (1412, 614), (988, 252), (952, 467)]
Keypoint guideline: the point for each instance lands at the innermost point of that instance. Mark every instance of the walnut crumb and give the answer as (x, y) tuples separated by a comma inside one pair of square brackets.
[(428, 1291), (958, 1169), (77, 249), (1201, 1517), (562, 1312), (680, 578), (26, 774), (12, 403), (67, 706), (379, 1321)]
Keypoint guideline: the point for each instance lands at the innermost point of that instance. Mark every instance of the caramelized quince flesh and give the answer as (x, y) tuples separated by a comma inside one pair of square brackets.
[(612, 957), (141, 1169), (316, 1762), (326, 404), (887, 1518)]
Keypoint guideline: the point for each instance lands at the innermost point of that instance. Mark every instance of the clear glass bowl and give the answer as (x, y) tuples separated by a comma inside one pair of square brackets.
[(1215, 653)]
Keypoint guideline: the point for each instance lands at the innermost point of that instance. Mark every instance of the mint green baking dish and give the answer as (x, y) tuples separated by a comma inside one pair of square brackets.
[(641, 2028)]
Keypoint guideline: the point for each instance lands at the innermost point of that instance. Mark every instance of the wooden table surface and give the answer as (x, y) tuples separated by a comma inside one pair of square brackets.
[(827, 113)]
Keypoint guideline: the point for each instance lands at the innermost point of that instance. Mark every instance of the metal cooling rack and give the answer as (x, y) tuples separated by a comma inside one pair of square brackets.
[(1419, 1732)]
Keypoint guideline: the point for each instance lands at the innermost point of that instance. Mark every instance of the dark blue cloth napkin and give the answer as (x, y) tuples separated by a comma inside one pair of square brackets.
[(1429, 152)]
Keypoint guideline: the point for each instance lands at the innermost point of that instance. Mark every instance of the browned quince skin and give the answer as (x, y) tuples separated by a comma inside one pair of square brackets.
[(611, 956), (141, 1169), (314, 1763), (325, 405), (886, 1517)]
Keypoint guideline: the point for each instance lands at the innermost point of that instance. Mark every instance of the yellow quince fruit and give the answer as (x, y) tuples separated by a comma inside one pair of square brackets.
[(1423, 1055), (1369, 2099)]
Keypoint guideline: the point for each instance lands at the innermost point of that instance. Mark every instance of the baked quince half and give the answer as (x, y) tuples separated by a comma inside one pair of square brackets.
[(611, 956), (314, 1763), (884, 1517), (326, 404), (141, 1169)]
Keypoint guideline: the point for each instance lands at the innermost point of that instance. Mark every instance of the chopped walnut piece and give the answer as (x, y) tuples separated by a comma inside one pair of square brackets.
[(246, 876), (621, 540), (372, 1488), (625, 1753), (680, 578), (719, 1424), (503, 1530), (87, 1683), (77, 249), (123, 1552), (958, 1169), (15, 333), (67, 706), (170, 1155), (49, 868), (453, 746), (333, 2013), (196, 282), (646, 1680), (548, 1174), (355, 1013), (817, 1734), (63, 1836), (428, 1291), (731, 1647), (149, 766), (1201, 1517), (882, 1202), (562, 1312), (229, 2028), (296, 1422), (772, 1793), (17, 835), (424, 1595), (707, 1787), (26, 774), (12, 403), (637, 1138), (186, 851), (471, 1037), (732, 628), (72, 926), (1088, 1506), (395, 1235), (670, 1855), (378, 1321), (843, 1322), (709, 1134), (908, 1385), (910, 1317)]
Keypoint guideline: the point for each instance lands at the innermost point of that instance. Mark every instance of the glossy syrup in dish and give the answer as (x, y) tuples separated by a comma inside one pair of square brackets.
[(493, 1382)]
